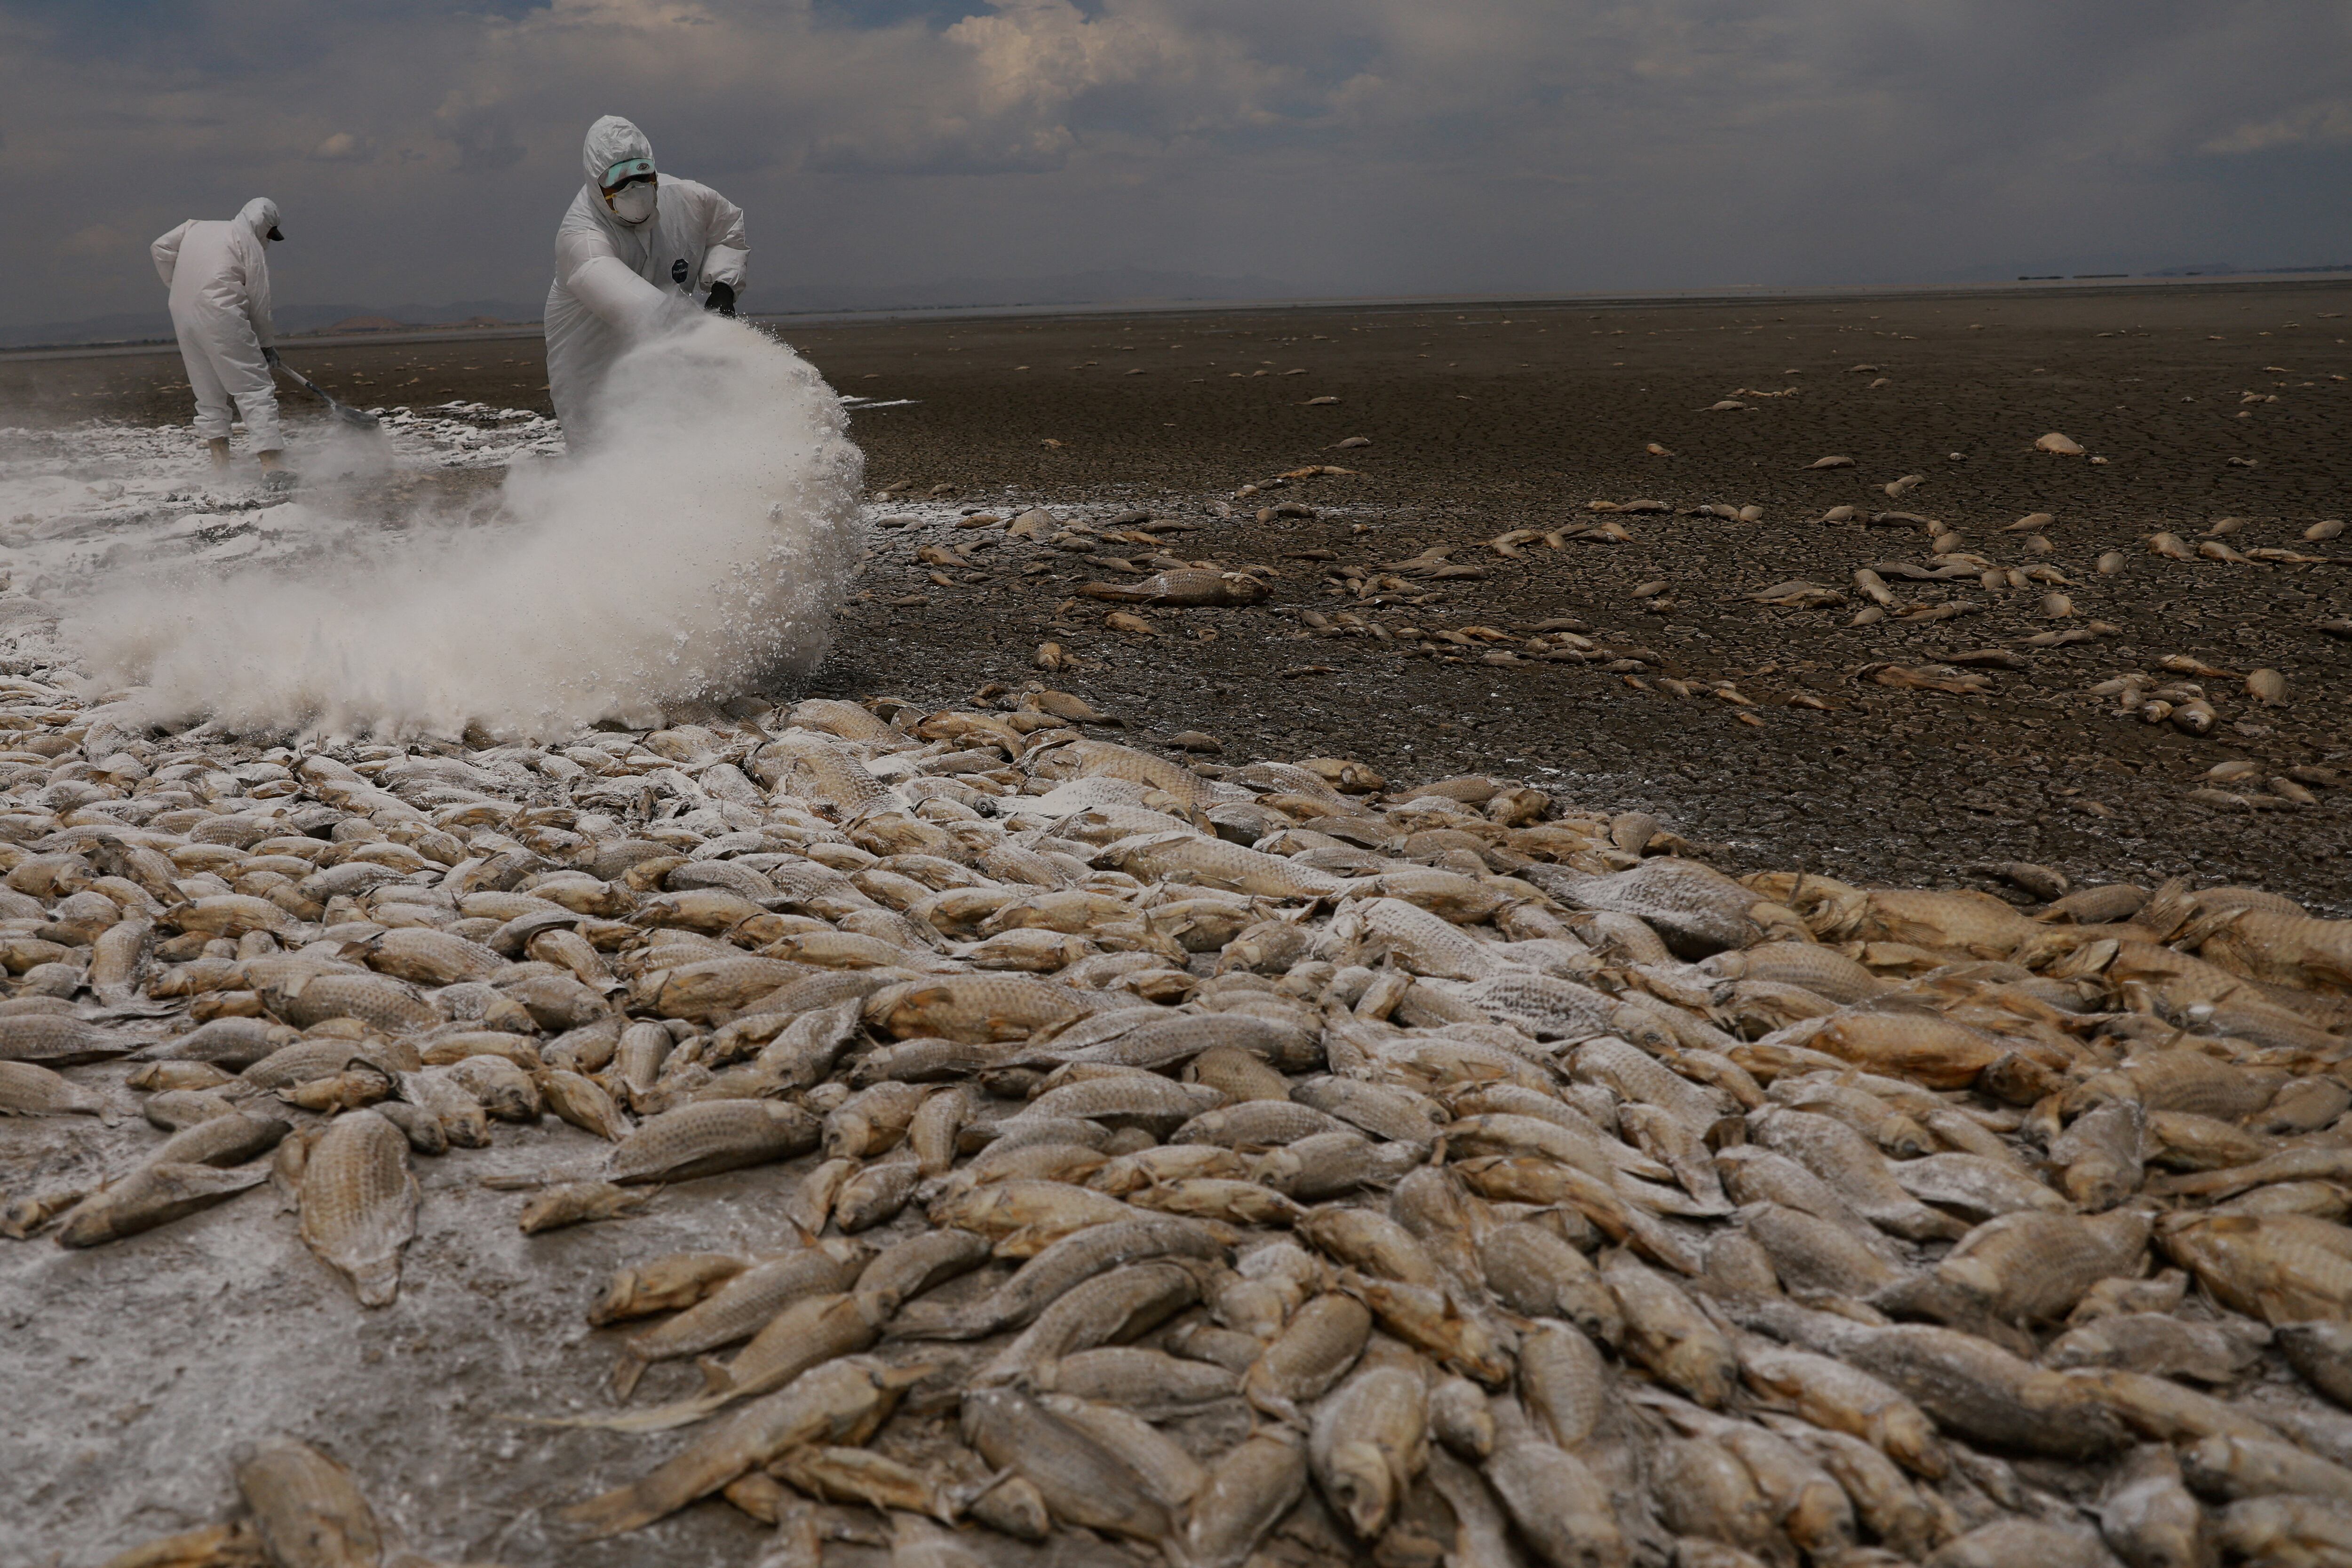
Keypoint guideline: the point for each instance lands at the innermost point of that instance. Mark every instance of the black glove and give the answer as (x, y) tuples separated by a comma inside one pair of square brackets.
[(722, 300), (269, 358)]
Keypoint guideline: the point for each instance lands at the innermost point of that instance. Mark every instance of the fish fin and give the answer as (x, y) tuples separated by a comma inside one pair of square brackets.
[(655, 1418), (716, 1379)]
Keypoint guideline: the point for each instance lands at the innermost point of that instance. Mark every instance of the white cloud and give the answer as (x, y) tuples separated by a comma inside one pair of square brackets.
[(2314, 123), (1342, 145)]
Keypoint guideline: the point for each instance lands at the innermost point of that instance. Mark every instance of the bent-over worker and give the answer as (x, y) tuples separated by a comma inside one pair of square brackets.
[(628, 256), (218, 273)]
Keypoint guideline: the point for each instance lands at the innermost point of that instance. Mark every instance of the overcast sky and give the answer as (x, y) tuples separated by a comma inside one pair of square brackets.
[(422, 151)]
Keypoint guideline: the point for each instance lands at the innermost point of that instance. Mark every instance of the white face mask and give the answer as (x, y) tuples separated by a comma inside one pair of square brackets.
[(634, 203)]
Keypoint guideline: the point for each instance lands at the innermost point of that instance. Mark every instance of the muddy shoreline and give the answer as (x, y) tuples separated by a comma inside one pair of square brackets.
[(1484, 421)]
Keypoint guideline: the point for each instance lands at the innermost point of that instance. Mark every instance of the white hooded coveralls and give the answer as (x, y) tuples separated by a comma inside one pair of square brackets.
[(219, 278), (616, 284)]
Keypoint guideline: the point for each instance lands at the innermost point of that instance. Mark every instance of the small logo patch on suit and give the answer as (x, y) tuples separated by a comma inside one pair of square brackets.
[(678, 272)]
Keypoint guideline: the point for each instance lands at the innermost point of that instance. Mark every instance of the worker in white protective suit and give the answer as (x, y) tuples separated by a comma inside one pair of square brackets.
[(218, 274), (629, 254)]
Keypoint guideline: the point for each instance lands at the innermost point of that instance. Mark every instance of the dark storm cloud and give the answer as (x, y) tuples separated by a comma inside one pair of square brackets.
[(426, 150)]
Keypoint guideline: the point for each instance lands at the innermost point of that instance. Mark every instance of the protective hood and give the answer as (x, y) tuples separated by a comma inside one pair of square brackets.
[(612, 140), (261, 214)]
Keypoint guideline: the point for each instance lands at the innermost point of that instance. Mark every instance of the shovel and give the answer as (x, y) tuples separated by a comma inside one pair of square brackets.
[(342, 411)]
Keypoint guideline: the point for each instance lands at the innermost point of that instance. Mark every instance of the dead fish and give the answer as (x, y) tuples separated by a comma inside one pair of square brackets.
[(1108, 1309), (1564, 1385), (741, 1306), (637, 1060), (1151, 1383), (1253, 1124), (577, 1203), (1081, 1483), (1171, 1475), (224, 1141), (842, 1402), (158, 1076), (1370, 1241), (1384, 1110), (2147, 1514), (668, 1284), (1834, 1396), (806, 1334), (1213, 863), (2099, 1154), (1974, 1185), (118, 960), (2283, 1528), (848, 1475), (2032, 1267), (2159, 1344), (1561, 1508), (2322, 1351), (1695, 908), (1038, 1213), (421, 1128), (871, 1121), (1813, 1254), (1977, 1391), (58, 1040), (1315, 1350), (1368, 1441), (1247, 1492), (2281, 1269), (153, 1195), (1186, 587), (1534, 1273), (1706, 1492), (1210, 1197), (2071, 1544), (875, 1194), (23, 1217), (1329, 1164), (1665, 1332), (429, 957), (710, 1136), (811, 1203), (1425, 1316), (463, 1119), (933, 1132), (2303, 1165), (26, 1090), (582, 1101), (359, 1203), (308, 1511), (2231, 1465), (503, 1089), (1856, 1171)]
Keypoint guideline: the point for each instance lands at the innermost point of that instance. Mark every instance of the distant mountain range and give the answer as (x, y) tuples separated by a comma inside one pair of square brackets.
[(1103, 286)]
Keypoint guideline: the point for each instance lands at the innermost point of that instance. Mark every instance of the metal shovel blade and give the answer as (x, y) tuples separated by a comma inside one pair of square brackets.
[(342, 411)]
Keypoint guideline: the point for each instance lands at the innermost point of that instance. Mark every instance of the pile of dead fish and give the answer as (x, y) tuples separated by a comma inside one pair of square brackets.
[(1232, 1161)]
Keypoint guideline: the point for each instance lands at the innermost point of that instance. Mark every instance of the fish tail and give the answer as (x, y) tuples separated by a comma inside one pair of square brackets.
[(615, 1512)]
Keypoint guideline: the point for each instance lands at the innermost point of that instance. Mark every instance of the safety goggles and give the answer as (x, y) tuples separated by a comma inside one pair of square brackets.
[(627, 172)]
